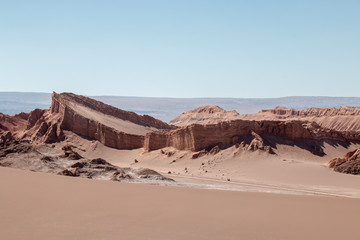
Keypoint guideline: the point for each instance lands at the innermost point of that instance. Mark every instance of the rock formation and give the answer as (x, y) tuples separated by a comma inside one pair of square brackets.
[(196, 137), (24, 155), (350, 163), (205, 130), (84, 116), (315, 112), (204, 115), (339, 119), (14, 124), (99, 168)]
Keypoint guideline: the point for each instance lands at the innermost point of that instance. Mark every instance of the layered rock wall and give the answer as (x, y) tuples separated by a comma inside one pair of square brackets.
[(315, 112), (48, 125), (144, 120), (95, 130), (111, 126), (197, 137)]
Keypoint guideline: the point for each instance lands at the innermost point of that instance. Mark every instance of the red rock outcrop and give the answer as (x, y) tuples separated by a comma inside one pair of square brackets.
[(350, 163), (339, 119), (143, 120), (90, 118), (315, 112), (15, 124), (84, 116), (127, 130), (196, 137)]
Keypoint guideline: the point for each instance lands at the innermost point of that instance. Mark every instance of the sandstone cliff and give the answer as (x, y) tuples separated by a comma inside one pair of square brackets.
[(126, 130), (143, 120), (315, 112), (339, 119), (196, 137), (84, 116)]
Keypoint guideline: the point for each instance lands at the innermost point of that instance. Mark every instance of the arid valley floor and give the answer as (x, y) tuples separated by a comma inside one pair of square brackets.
[(85, 170)]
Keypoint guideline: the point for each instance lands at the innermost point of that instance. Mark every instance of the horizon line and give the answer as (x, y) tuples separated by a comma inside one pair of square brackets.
[(303, 96)]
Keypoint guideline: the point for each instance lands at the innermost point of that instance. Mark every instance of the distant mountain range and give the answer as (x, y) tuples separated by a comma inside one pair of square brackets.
[(167, 109)]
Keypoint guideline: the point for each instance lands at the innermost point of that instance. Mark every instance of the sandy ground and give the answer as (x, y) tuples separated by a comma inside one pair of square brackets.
[(231, 195), (46, 206), (291, 170)]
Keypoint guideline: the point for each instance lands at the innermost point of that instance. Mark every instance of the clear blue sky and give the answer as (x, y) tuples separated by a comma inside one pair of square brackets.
[(180, 48)]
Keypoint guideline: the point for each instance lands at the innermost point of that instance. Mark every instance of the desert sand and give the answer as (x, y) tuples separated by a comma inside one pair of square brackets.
[(46, 206)]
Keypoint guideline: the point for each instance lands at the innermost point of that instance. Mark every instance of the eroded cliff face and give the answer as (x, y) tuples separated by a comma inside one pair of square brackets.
[(58, 100), (22, 139), (196, 137), (315, 112), (93, 119), (71, 120), (339, 119), (84, 116), (126, 130)]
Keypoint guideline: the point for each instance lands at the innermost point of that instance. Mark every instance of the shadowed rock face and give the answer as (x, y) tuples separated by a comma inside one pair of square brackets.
[(350, 163)]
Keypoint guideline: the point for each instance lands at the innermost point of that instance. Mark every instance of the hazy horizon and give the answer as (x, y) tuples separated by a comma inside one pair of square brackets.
[(167, 109), (290, 96)]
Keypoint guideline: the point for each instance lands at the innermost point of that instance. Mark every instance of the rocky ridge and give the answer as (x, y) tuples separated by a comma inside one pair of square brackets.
[(204, 115), (315, 112), (214, 128), (339, 119), (84, 116), (196, 137)]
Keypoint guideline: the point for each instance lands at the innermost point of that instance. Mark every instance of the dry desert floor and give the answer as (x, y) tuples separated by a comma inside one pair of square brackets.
[(46, 206)]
